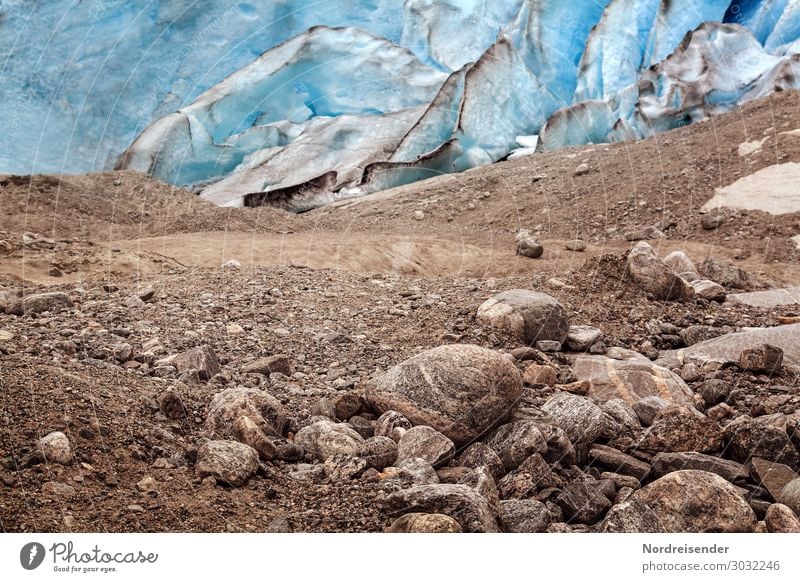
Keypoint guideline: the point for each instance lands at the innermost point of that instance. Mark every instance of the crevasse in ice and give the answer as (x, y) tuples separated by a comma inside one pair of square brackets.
[(296, 103)]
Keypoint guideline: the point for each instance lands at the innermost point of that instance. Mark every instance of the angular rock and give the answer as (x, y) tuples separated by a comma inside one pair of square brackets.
[(532, 475), (680, 429), (619, 462), (171, 405), (57, 489), (651, 275), (325, 439), (482, 455), (231, 404), (781, 519), (201, 358), (392, 424), (536, 374), (648, 408), (746, 438), (580, 418), (581, 337), (56, 448), (526, 315), (423, 442), (266, 366), (714, 391), (725, 273), (708, 290), (712, 220), (227, 461), (524, 516), (582, 502), (683, 502), (344, 467), (460, 502), (516, 441), (481, 480), (762, 359), (247, 431), (773, 477), (412, 472), (623, 414), (559, 447), (629, 379), (425, 523), (664, 463), (379, 452), (790, 496), (460, 390)]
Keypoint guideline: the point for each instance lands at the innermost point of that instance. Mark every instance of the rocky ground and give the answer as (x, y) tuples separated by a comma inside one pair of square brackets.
[(166, 365)]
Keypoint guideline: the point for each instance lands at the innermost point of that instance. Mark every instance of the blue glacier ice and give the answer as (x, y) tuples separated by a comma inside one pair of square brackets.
[(296, 103)]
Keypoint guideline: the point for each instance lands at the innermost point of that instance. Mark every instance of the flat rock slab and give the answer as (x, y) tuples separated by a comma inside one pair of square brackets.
[(631, 380), (727, 348), (772, 476), (664, 463), (773, 190), (767, 299)]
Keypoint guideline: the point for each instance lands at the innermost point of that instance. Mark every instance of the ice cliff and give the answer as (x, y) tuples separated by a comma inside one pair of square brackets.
[(296, 103)]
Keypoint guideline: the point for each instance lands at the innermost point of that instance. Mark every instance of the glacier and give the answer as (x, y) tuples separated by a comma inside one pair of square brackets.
[(296, 104)]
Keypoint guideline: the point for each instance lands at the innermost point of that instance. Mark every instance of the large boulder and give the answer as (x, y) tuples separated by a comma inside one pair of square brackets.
[(727, 349), (461, 502), (725, 273), (516, 441), (580, 418), (629, 379), (746, 438), (262, 408), (527, 315), (462, 391), (683, 502), (653, 276), (325, 439), (681, 429), (524, 516)]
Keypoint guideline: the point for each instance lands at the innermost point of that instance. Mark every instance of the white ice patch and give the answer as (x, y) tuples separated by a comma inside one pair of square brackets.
[(773, 190)]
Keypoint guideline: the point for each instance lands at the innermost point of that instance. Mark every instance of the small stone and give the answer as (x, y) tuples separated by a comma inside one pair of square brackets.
[(201, 359), (133, 302), (57, 489), (412, 472), (232, 265), (123, 353), (55, 272), (582, 169), (708, 290), (581, 337), (524, 516), (279, 525), (347, 404), (171, 405), (425, 523), (423, 442), (576, 245), (147, 484), (419, 215), (746, 438), (773, 477), (712, 220), (548, 346), (536, 374), (725, 273), (262, 408), (680, 263), (40, 303), (680, 429), (648, 408), (762, 359), (530, 247), (270, 365), (580, 418), (227, 461), (532, 475), (56, 448), (714, 391)]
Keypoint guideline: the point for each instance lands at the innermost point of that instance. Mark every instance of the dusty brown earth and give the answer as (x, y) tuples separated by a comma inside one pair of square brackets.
[(343, 291)]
